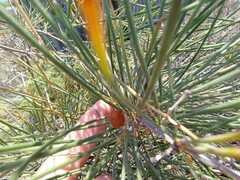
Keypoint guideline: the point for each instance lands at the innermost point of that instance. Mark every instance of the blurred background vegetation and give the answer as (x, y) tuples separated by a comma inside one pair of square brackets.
[(176, 68)]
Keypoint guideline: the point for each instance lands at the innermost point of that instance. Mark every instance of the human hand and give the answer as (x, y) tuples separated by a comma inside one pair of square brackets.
[(97, 112)]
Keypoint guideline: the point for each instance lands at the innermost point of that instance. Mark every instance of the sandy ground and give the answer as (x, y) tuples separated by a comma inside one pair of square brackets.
[(11, 75), (10, 72)]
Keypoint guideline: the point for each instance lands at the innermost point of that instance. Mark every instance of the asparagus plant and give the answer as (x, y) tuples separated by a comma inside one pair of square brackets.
[(167, 76)]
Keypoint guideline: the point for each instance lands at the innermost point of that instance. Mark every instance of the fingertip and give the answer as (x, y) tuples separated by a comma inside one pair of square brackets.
[(104, 177)]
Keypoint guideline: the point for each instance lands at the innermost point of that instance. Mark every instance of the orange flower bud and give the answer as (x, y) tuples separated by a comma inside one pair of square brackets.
[(92, 12)]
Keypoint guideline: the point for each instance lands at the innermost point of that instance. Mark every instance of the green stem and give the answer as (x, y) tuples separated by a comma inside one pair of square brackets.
[(165, 46)]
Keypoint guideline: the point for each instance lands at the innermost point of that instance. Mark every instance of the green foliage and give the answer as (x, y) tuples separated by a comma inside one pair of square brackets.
[(176, 71)]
